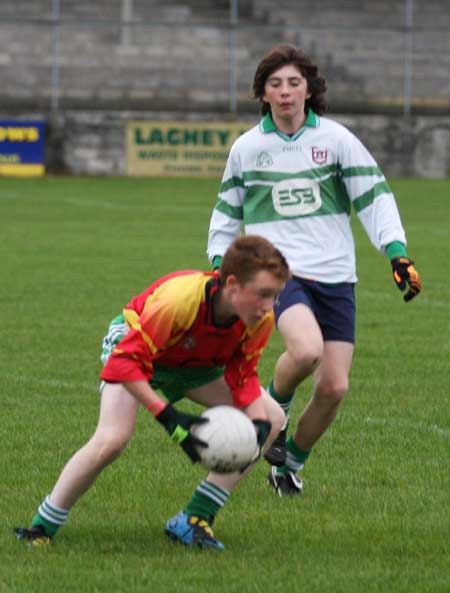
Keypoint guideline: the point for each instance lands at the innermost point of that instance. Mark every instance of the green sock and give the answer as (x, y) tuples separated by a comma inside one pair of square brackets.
[(51, 529), (295, 458), (50, 517), (285, 402), (206, 501)]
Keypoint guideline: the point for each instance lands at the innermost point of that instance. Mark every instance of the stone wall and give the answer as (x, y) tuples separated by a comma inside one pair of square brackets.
[(93, 142)]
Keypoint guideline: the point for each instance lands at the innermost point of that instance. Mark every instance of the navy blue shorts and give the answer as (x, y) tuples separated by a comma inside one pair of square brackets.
[(332, 305)]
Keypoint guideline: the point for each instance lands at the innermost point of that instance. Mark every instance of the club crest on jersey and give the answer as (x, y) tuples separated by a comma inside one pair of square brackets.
[(189, 343), (319, 155), (264, 160)]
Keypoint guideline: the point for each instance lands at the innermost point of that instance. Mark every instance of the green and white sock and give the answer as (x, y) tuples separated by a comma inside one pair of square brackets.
[(284, 402), (50, 517), (207, 500), (295, 458)]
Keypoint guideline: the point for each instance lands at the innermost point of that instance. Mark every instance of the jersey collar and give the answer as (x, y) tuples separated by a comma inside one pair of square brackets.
[(211, 289), (267, 126)]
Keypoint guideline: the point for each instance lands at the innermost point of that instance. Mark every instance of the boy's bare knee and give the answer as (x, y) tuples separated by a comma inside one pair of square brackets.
[(306, 357), (332, 392), (109, 447)]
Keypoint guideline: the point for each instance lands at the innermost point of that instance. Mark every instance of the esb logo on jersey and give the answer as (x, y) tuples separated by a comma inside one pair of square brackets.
[(296, 197), (319, 155)]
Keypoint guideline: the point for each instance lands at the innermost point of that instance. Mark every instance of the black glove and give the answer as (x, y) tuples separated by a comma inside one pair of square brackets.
[(263, 428), (177, 425), (405, 273)]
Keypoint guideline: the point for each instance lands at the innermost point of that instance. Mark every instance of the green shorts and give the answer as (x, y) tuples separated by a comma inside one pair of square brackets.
[(173, 382)]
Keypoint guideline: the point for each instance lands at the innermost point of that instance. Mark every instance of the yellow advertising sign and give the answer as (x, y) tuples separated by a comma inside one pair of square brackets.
[(180, 148)]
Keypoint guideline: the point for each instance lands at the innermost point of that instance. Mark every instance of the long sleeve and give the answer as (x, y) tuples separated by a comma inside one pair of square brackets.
[(370, 194), (227, 216)]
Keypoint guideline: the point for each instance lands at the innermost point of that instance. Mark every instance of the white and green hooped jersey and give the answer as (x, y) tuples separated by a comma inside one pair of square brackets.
[(297, 192)]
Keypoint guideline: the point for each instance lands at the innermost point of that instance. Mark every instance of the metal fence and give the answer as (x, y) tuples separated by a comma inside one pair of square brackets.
[(201, 55)]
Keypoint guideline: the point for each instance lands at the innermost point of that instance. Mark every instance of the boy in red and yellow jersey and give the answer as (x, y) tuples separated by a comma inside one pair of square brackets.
[(173, 326), (190, 334)]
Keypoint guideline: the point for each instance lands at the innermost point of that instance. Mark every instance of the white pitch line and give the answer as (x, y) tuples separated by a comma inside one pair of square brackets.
[(11, 196), (394, 424), (418, 426), (49, 382), (93, 203), (381, 295)]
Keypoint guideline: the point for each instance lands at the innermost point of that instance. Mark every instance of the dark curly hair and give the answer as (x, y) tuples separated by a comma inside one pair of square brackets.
[(283, 55)]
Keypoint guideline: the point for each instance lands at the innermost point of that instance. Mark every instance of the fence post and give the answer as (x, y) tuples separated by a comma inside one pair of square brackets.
[(234, 12), (56, 11), (408, 61), (126, 18)]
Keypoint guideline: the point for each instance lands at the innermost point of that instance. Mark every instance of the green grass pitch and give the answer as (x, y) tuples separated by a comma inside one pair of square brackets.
[(375, 513)]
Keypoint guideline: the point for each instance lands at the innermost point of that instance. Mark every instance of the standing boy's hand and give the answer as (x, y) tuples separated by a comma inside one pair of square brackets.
[(405, 274)]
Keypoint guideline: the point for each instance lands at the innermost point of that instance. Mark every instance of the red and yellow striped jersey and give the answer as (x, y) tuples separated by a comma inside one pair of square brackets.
[(171, 324)]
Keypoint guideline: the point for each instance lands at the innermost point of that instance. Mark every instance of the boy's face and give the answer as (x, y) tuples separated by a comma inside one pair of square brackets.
[(286, 91), (252, 300)]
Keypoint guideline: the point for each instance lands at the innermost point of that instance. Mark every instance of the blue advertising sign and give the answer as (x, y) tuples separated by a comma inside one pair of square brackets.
[(22, 148)]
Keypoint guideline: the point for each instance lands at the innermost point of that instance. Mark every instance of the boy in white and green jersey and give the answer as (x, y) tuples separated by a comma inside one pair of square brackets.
[(294, 179), (298, 190)]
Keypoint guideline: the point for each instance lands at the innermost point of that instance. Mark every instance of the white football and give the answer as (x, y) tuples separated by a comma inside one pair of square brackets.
[(231, 439)]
